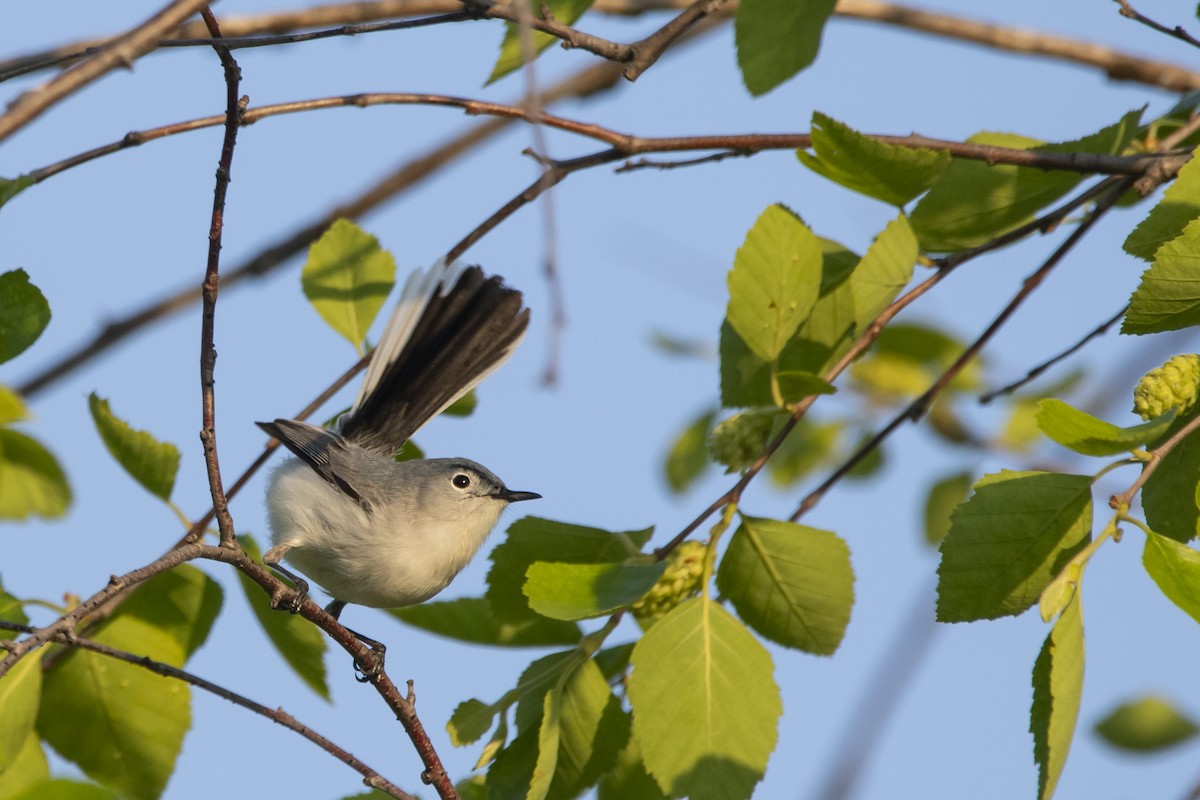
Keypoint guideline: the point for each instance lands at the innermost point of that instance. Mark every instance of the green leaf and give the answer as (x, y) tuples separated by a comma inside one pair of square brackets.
[(629, 780), (31, 482), (512, 772), (1175, 568), (20, 693), (777, 38), (533, 539), (11, 610), (512, 54), (795, 385), (548, 735), (1057, 688), (298, 641), (775, 281), (11, 187), (688, 457), (808, 446), (346, 278), (62, 789), (791, 583), (579, 591), (1009, 540), (866, 165), (24, 313), (470, 721), (1169, 495), (944, 496), (143, 716), (464, 406), (1146, 725), (1083, 433), (705, 704), (884, 271), (973, 202), (470, 619), (1180, 204), (592, 731), (820, 340), (12, 407), (148, 461), (1168, 298), (29, 769)]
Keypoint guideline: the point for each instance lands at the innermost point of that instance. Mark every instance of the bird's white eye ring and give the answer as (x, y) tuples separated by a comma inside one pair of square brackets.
[(461, 480)]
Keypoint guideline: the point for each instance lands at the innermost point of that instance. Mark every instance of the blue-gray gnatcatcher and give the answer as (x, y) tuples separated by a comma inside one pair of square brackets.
[(384, 533)]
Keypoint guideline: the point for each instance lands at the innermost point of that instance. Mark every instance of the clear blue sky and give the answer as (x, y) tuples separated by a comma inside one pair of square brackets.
[(638, 253)]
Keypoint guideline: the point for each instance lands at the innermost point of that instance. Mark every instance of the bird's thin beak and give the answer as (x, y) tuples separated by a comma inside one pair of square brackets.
[(515, 497)]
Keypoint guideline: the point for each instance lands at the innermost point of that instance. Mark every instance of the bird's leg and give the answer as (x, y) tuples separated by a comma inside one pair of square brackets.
[(362, 672), (287, 600)]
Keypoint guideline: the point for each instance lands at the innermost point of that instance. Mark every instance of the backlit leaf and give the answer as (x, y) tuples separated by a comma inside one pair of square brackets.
[(1168, 298), (1057, 688), (148, 461), (31, 482), (346, 278), (1146, 725), (1180, 204), (1090, 436), (512, 51), (578, 591), (777, 38)]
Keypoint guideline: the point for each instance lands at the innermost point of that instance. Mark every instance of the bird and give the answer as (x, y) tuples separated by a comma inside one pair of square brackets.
[(369, 529)]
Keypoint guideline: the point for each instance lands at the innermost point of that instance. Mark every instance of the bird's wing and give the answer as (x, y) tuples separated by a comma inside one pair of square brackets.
[(318, 448)]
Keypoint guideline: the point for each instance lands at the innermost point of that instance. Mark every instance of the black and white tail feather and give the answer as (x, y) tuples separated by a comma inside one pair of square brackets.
[(451, 328)]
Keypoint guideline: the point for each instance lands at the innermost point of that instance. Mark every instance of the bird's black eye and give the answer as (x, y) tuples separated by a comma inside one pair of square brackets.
[(461, 480)]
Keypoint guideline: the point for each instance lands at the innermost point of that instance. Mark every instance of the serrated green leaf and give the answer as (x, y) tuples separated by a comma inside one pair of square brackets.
[(470, 619), (24, 313), (11, 187), (705, 703), (1009, 540), (512, 55), (775, 282), (1180, 204), (791, 583), (1146, 725), (63, 789), (1175, 568), (298, 641), (863, 164), (470, 721), (346, 278), (20, 693), (548, 735), (143, 716), (12, 407), (944, 496), (533, 539), (148, 461), (777, 38), (973, 202), (579, 591), (884, 271), (1057, 688), (512, 771), (31, 482), (820, 340), (628, 779), (795, 385), (1168, 298), (1083, 433), (1169, 494), (688, 457), (592, 731), (28, 770), (535, 681)]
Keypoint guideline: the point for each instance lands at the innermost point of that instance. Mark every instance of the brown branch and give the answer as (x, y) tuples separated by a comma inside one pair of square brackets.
[(649, 50), (1116, 64), (277, 715), (122, 52), (1034, 372), (594, 79), (1121, 502), (212, 279), (917, 408), (1129, 12)]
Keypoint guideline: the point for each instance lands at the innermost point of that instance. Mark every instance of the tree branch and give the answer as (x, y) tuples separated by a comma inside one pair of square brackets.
[(1178, 32), (277, 715), (121, 52)]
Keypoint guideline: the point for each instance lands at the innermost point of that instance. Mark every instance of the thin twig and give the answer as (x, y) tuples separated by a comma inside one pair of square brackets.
[(208, 290), (917, 408), (650, 49), (1178, 32), (712, 158), (277, 715), (1120, 501), (1034, 372), (122, 52)]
